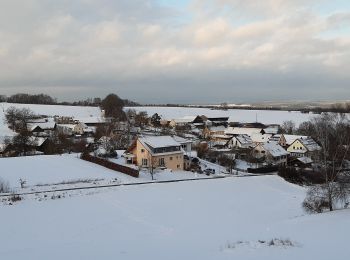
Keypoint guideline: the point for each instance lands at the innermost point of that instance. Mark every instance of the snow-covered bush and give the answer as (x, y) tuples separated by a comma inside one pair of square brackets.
[(4, 186)]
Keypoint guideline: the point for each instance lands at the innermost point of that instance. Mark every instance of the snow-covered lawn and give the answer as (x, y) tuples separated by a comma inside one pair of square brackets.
[(68, 170), (235, 115), (53, 169), (207, 219)]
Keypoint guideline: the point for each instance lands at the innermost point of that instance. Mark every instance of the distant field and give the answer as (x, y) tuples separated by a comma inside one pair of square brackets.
[(235, 115)]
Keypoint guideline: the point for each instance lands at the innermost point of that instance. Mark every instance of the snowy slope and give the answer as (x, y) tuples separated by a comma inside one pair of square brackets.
[(49, 169), (192, 220), (52, 110), (47, 110), (235, 115)]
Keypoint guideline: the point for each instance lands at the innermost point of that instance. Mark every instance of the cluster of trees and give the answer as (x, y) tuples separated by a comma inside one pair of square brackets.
[(332, 131), (331, 188), (18, 120), (44, 99), (30, 99)]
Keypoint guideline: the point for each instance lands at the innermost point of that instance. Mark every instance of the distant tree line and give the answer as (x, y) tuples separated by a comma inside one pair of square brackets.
[(44, 99), (334, 108)]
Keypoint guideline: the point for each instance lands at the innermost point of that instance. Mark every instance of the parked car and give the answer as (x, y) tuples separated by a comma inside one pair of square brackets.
[(209, 171)]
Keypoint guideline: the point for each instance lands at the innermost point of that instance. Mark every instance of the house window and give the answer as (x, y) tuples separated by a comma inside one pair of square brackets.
[(178, 166), (144, 162), (142, 150), (171, 158), (161, 162)]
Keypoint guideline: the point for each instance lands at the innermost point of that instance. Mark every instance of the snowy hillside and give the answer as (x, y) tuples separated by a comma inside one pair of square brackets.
[(235, 115), (47, 110), (69, 170), (52, 110), (50, 169), (233, 218)]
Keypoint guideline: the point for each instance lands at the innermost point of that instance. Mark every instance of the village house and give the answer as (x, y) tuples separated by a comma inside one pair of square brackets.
[(243, 130), (42, 128), (213, 131), (286, 140), (156, 152), (203, 121), (241, 141), (304, 147), (74, 129), (186, 144), (257, 135), (181, 122), (93, 121), (271, 152)]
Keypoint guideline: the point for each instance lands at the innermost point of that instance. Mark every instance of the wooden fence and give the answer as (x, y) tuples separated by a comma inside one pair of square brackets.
[(111, 165)]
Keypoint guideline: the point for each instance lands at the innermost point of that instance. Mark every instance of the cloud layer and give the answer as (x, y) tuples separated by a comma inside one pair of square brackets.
[(202, 51)]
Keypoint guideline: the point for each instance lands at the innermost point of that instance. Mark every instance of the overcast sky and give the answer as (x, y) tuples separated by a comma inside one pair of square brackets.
[(177, 51)]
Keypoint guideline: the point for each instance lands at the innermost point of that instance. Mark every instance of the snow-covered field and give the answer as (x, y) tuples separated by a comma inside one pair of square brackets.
[(69, 171), (46, 110), (232, 218), (235, 115), (267, 117), (54, 169), (56, 110)]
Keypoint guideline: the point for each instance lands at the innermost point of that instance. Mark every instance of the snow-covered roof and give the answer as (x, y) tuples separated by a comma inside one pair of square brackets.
[(275, 138), (305, 160), (44, 125), (37, 141), (217, 128), (242, 130), (159, 141), (260, 138), (181, 140), (274, 149), (91, 119), (244, 139), (222, 136), (310, 144), (70, 126), (185, 119), (291, 138)]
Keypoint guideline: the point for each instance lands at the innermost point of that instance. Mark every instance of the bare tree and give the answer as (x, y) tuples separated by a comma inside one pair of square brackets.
[(24, 142), (333, 133), (18, 119), (152, 165), (288, 127), (141, 119), (227, 160)]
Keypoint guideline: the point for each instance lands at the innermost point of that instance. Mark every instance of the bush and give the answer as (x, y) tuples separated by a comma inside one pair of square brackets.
[(316, 200), (15, 198), (4, 186)]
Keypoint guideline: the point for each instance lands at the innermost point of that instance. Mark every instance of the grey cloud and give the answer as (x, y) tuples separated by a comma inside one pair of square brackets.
[(134, 48)]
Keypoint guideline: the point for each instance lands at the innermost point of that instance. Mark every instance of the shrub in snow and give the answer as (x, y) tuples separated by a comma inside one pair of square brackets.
[(4, 186), (15, 197)]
